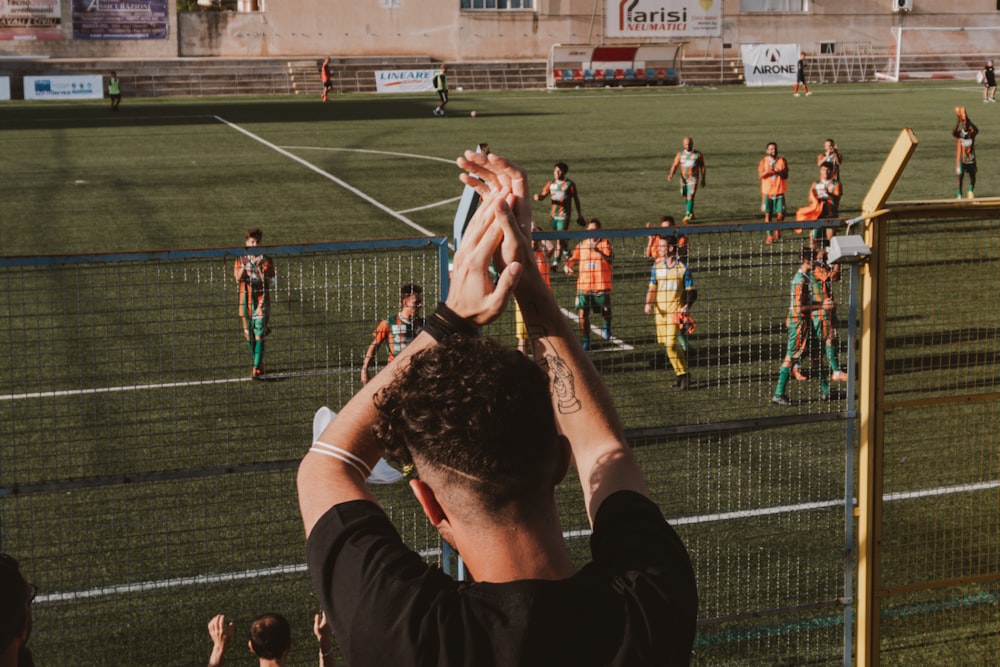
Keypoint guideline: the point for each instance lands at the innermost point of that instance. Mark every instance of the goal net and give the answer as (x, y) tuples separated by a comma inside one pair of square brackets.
[(940, 52)]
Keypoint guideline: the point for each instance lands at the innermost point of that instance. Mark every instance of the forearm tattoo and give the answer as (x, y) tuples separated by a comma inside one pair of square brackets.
[(563, 385)]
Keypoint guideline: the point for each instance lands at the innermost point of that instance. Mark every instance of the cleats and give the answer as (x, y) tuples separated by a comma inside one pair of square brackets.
[(258, 373), (780, 400), (800, 376), (684, 382), (838, 376), (970, 195), (687, 218), (796, 94)]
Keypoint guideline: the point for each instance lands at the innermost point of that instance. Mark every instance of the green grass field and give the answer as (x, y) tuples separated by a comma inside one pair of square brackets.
[(178, 502)]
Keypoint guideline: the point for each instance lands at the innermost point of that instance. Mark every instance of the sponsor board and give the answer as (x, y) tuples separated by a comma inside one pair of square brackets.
[(75, 87), (769, 64), (405, 81), (29, 20), (664, 19)]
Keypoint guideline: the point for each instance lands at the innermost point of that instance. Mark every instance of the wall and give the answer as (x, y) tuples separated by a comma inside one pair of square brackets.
[(439, 29), (67, 47)]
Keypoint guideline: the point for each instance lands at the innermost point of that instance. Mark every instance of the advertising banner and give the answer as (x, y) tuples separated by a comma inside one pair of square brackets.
[(120, 19), (72, 87), (30, 19), (769, 64), (666, 19), (4, 87), (404, 81)]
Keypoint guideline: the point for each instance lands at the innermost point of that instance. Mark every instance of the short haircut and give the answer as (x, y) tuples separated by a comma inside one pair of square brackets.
[(270, 636), (480, 413), (563, 167), (254, 233), (667, 218), (807, 254), (595, 221), (409, 289), (14, 601)]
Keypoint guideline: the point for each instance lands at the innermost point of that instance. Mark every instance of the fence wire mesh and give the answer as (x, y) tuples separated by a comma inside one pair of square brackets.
[(146, 480)]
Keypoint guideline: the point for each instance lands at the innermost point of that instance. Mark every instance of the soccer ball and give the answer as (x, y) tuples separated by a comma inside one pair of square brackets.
[(472, 113)]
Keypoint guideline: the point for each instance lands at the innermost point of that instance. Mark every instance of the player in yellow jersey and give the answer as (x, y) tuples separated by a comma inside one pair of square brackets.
[(671, 294)]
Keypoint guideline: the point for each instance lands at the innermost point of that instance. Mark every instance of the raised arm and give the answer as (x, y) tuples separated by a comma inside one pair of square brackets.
[(335, 468), (584, 409)]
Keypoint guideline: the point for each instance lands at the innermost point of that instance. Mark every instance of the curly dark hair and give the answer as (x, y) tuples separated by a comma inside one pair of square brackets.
[(270, 636), (472, 406)]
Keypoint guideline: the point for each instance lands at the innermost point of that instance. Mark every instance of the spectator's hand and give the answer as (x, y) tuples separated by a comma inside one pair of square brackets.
[(495, 174), (473, 294), (221, 635)]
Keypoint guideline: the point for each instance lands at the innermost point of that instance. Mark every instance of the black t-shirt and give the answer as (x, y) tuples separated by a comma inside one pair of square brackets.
[(635, 603)]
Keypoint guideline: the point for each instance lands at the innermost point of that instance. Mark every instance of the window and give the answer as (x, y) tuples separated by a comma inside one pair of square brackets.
[(497, 4), (774, 5)]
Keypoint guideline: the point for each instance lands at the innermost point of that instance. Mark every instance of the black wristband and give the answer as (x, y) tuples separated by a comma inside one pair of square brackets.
[(444, 322)]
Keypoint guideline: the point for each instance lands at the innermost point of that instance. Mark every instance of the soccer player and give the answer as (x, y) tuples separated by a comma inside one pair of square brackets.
[(441, 87), (825, 319), (404, 327), (989, 83), (824, 201), (670, 295), (253, 274), (806, 297), (564, 196), (800, 76), (773, 172), (491, 434), (326, 76), (965, 151), (114, 91), (692, 166), (593, 283), (831, 155)]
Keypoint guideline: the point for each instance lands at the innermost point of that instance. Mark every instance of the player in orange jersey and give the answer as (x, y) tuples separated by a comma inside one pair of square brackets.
[(773, 172), (593, 284)]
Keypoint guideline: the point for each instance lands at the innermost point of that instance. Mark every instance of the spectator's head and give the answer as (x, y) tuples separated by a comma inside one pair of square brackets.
[(476, 420), (253, 237), (667, 221), (16, 595), (593, 223), (560, 170), (270, 636)]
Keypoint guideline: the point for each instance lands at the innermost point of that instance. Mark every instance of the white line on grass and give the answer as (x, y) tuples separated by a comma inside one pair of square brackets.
[(201, 580), (350, 188)]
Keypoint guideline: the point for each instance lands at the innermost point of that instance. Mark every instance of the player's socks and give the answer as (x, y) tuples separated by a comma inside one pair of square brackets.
[(782, 380), (258, 354), (831, 356)]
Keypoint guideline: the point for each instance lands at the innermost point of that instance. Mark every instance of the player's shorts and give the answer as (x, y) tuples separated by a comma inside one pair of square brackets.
[(443, 94), (825, 324), (799, 334), (559, 224), (772, 204), (969, 168), (688, 189), (595, 302)]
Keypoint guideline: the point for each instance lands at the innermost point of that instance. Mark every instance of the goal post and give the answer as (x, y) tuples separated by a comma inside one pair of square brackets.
[(942, 52)]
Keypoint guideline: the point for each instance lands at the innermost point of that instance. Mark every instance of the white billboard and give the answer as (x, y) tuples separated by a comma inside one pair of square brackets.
[(665, 19), (75, 87), (405, 80), (770, 64)]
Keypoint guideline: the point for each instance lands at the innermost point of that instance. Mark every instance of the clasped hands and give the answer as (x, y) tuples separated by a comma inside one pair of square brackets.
[(499, 232)]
